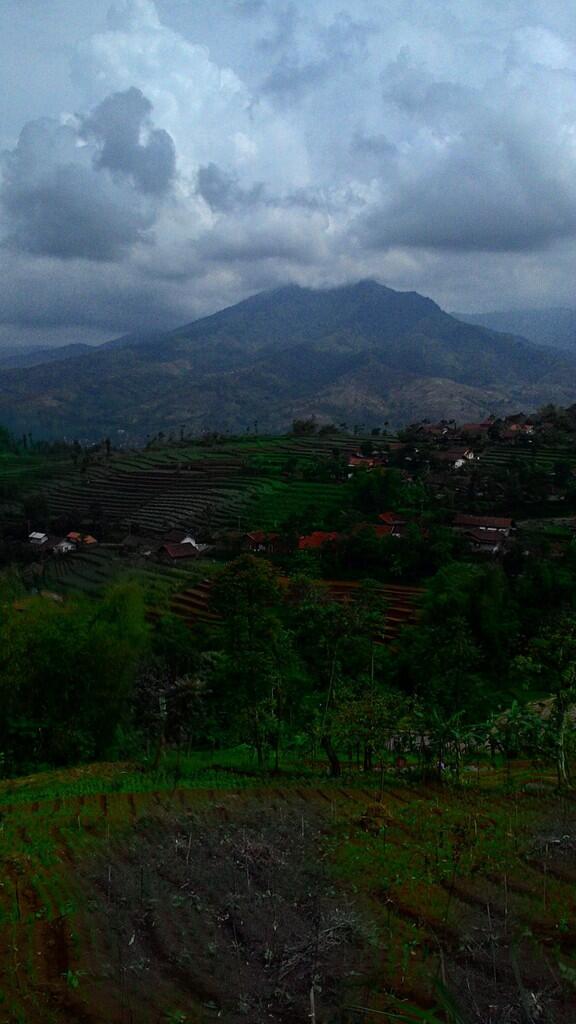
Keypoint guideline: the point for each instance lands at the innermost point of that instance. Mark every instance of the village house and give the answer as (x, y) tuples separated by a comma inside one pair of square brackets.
[(316, 540), (177, 552), (131, 544), (484, 541), (366, 462), (485, 524), (433, 431), (260, 542), (475, 430), (38, 539), (179, 536), (64, 547), (484, 534), (379, 530), (455, 458)]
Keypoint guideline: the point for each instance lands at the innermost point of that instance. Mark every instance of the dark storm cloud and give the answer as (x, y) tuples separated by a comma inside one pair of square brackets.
[(86, 192), (222, 191), (117, 125)]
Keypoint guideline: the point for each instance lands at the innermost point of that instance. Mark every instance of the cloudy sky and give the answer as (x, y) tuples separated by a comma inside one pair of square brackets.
[(162, 160)]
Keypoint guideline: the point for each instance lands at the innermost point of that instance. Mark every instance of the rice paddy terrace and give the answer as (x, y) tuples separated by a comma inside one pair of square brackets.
[(129, 896), (189, 597), (401, 603), (90, 571), (234, 485), (543, 457)]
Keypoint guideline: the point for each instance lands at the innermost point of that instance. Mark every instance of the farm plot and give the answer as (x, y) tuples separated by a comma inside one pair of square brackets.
[(138, 901), (91, 571), (539, 457), (208, 494), (276, 502), (86, 572), (158, 498)]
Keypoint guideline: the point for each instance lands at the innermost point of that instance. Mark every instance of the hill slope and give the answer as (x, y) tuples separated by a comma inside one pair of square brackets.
[(554, 327), (13, 359), (358, 353)]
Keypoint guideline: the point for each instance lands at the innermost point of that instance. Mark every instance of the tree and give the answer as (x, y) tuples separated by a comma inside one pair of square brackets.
[(66, 672), (551, 664), (304, 427), (257, 660)]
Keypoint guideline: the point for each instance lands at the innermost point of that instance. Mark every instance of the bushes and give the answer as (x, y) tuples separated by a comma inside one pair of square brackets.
[(65, 676)]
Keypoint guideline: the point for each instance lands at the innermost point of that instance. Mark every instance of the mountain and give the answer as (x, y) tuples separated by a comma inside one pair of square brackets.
[(554, 327), (11, 359), (361, 353)]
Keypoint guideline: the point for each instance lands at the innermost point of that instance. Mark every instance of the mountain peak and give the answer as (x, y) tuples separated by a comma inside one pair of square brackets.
[(359, 352)]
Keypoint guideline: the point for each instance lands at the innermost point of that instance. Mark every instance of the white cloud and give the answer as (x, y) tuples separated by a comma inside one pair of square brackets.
[(432, 145)]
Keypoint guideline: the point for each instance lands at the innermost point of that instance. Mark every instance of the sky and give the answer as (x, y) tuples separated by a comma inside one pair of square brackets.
[(161, 160)]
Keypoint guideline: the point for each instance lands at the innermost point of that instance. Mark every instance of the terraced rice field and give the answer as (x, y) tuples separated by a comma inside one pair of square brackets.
[(206, 489), (128, 898), (539, 457), (193, 603), (92, 570)]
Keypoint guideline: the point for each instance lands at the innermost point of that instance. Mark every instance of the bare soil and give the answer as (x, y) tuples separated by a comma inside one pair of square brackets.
[(224, 914), (194, 906)]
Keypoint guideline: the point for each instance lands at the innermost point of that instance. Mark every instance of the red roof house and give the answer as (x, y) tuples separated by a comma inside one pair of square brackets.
[(316, 540)]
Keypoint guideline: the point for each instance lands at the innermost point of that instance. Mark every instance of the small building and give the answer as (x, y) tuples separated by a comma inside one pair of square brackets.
[(366, 462), (478, 430), (179, 536), (485, 542), (131, 544), (455, 458), (484, 524), (316, 540), (393, 521), (38, 539), (89, 540), (64, 547), (74, 536), (177, 552), (260, 542), (184, 537)]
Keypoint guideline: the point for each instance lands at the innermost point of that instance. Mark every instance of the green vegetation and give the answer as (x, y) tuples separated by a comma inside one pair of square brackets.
[(383, 716)]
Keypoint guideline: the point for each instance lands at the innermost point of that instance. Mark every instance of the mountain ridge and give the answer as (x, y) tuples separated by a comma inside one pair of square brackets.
[(360, 352), (553, 326)]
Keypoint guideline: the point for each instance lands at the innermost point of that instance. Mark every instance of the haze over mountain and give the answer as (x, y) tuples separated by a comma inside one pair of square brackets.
[(359, 353), (554, 326), (16, 358)]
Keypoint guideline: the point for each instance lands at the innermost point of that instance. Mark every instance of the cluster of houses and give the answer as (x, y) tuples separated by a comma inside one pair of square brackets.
[(260, 542), (176, 545), (488, 535), (45, 542)]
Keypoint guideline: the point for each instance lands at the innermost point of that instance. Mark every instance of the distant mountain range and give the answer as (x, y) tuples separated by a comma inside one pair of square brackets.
[(555, 326), (362, 353), (13, 358)]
